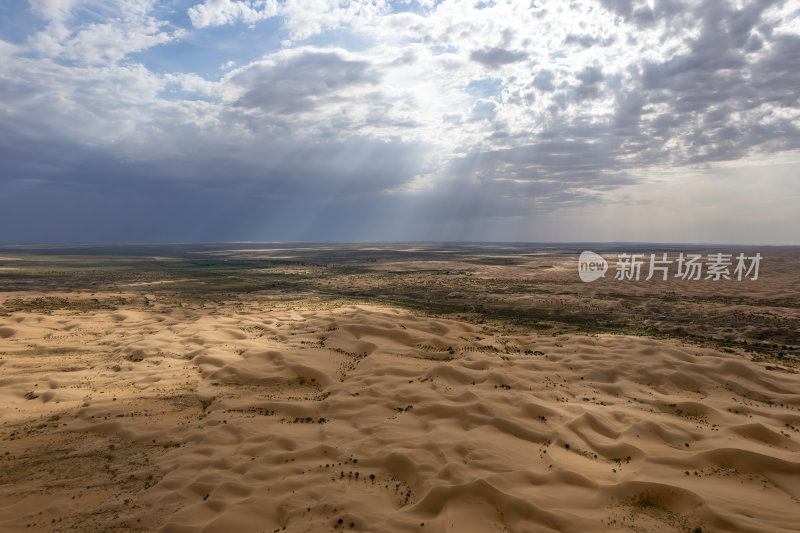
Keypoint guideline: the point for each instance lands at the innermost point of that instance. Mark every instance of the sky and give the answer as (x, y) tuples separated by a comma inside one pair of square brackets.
[(406, 120)]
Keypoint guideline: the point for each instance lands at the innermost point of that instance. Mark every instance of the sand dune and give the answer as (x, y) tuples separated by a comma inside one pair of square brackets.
[(373, 419)]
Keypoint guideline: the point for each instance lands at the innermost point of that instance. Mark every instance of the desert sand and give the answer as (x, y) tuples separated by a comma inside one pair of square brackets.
[(373, 418)]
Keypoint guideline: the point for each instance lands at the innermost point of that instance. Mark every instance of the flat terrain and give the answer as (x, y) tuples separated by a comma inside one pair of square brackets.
[(413, 387)]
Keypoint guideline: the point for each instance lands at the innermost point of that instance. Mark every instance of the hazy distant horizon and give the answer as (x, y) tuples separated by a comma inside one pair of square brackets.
[(565, 244)]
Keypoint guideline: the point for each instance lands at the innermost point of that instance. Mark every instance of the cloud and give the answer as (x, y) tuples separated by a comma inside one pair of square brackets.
[(55, 9), (494, 58), (302, 18), (221, 12), (92, 32), (375, 119), (299, 82), (544, 81), (587, 41), (223, 194)]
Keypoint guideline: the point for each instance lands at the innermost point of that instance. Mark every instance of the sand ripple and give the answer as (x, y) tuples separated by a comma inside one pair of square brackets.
[(373, 419)]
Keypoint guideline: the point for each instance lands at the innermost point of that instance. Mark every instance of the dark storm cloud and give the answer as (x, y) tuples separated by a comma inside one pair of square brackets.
[(536, 178), (562, 163), (219, 197), (494, 58), (299, 83)]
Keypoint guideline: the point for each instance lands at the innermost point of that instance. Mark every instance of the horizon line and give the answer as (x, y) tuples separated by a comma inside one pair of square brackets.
[(34, 245)]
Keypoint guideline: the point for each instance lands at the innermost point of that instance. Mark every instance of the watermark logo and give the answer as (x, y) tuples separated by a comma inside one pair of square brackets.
[(691, 267), (591, 266)]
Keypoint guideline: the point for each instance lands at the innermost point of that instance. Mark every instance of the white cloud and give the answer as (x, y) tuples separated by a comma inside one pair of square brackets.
[(122, 27), (221, 12), (55, 9)]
